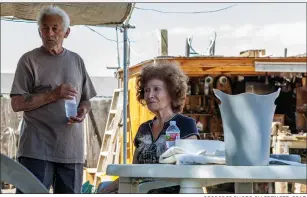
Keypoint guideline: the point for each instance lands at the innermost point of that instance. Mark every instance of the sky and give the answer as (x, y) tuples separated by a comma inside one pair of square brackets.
[(269, 26)]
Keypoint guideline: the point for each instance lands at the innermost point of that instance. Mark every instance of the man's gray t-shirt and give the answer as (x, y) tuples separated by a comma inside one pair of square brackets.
[(46, 134)]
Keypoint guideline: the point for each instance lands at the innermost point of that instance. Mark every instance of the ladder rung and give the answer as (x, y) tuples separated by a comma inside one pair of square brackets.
[(108, 132), (113, 111), (99, 174), (104, 153), (91, 170)]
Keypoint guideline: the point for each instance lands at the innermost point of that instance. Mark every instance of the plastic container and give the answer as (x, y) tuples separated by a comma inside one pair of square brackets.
[(172, 133), (247, 120), (71, 108)]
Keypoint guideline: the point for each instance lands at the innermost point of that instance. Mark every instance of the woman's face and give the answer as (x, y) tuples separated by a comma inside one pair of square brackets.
[(156, 95)]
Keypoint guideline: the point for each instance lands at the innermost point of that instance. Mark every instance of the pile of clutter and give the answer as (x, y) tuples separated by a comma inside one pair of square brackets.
[(280, 130)]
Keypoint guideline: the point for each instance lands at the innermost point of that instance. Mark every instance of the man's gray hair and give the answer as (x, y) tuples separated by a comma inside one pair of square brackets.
[(52, 10)]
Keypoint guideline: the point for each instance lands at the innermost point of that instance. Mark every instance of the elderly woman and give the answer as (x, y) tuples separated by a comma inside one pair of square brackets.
[(162, 88)]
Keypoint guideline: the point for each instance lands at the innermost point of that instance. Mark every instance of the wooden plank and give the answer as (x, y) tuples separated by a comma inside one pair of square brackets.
[(232, 68), (96, 130), (211, 69), (216, 73), (192, 62)]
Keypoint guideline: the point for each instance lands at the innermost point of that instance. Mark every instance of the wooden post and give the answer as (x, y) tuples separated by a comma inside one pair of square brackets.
[(96, 130), (187, 48), (164, 43), (304, 81)]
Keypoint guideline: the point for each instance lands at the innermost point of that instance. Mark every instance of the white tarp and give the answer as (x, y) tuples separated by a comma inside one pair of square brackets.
[(79, 13)]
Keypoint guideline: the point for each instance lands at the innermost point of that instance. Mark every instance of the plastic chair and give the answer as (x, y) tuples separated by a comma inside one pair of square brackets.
[(16, 174)]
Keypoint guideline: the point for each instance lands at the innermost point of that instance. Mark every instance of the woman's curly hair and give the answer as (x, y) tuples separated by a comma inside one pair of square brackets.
[(173, 77)]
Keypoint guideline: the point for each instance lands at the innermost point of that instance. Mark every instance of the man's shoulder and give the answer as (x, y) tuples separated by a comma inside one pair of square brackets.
[(37, 51), (32, 53), (73, 54)]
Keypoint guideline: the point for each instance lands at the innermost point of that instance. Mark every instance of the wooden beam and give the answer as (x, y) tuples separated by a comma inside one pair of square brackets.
[(96, 130), (216, 65), (164, 42), (187, 48)]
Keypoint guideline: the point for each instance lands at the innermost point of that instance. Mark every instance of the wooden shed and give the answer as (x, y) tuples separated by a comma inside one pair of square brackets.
[(230, 74)]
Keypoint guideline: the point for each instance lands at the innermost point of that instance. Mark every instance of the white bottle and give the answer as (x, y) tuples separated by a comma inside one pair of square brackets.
[(172, 133), (71, 108)]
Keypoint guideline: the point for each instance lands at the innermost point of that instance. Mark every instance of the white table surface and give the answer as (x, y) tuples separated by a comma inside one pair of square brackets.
[(192, 178)]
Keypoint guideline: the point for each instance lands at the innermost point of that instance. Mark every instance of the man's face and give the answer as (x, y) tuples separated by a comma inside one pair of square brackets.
[(52, 31)]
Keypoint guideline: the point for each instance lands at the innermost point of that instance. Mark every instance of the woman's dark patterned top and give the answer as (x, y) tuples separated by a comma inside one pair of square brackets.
[(148, 151)]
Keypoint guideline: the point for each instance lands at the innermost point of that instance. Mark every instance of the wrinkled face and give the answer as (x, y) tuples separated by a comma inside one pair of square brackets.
[(52, 31), (156, 95)]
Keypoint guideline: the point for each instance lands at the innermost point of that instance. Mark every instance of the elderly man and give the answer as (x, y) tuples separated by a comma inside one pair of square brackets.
[(51, 144)]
